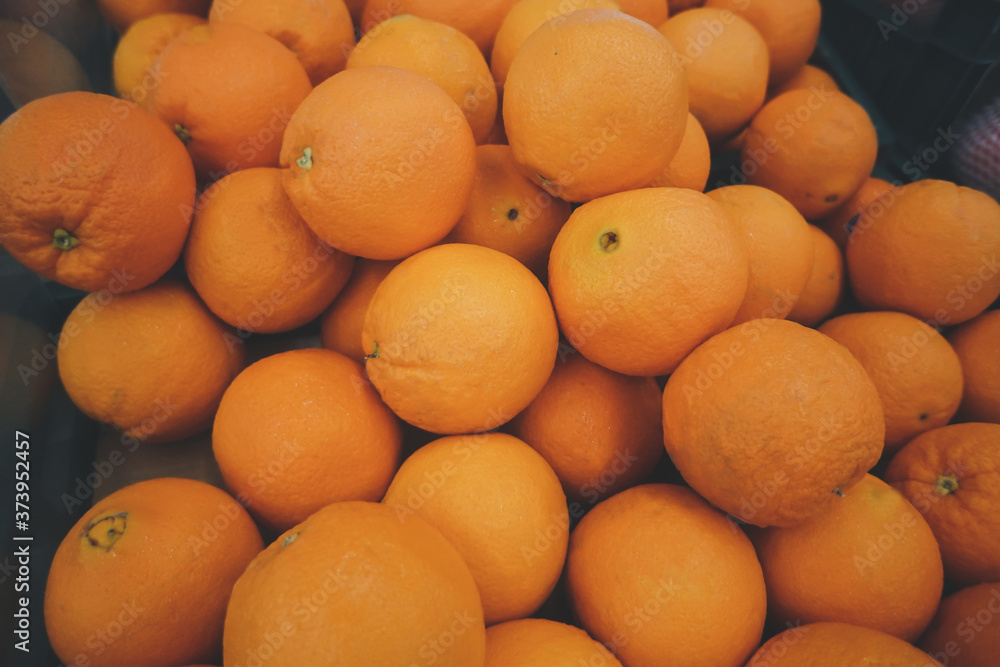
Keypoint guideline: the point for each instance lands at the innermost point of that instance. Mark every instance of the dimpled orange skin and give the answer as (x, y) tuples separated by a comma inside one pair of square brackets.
[(127, 200), (340, 325), (359, 587), (583, 124), (975, 342), (825, 288), (837, 645), (666, 579), (956, 635), (466, 338), (390, 162), (674, 273), (163, 582), (767, 419), (539, 642)]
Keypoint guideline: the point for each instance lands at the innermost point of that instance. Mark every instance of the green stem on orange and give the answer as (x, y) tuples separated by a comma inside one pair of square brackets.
[(64, 240), (182, 133), (374, 354), (946, 484), (306, 161)]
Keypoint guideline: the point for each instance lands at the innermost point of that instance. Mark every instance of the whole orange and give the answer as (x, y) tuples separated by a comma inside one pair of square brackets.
[(123, 13), (480, 22), (691, 164), (964, 632), (825, 288), (861, 210)]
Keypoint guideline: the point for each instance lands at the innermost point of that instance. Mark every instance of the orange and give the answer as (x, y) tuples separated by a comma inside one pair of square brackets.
[(524, 18), (932, 254), (459, 338), (917, 373), (538, 642), (692, 162), (319, 32), (442, 54), (975, 342), (302, 429), (254, 261), (144, 577), (37, 67), (228, 120), (866, 206), (76, 202), (480, 23), (662, 578), (682, 5), (779, 245), (964, 632), (869, 559), (133, 66), (726, 61), (123, 13), (640, 278), (789, 27), (342, 322), (355, 7), (808, 76), (499, 503), (153, 363), (509, 213), (813, 147), (653, 12), (582, 123), (838, 645), (769, 419), (354, 584), (600, 431), (951, 475), (825, 288), (379, 162)]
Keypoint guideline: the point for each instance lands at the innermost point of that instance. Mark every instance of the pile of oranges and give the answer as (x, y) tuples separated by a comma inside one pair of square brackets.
[(494, 214)]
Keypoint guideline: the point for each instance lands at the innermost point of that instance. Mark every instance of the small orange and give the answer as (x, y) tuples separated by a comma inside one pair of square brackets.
[(952, 475), (123, 13), (459, 338), (582, 123), (144, 577), (964, 632), (825, 288), (917, 373), (319, 32), (379, 162), (133, 65), (355, 585), (660, 577), (538, 642), (769, 419), (600, 431), (153, 363), (838, 645), (692, 162), (499, 503), (932, 253), (442, 54), (869, 559), (508, 212), (808, 76), (815, 148), (340, 326), (480, 23), (866, 206), (779, 245), (640, 278), (975, 342), (302, 429), (726, 61)]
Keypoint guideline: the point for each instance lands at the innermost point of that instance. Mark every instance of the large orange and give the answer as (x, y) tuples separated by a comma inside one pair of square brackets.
[(480, 21), (144, 577), (123, 13), (76, 201), (133, 66), (500, 504), (869, 559), (254, 261), (838, 645), (952, 475), (866, 206), (932, 253), (726, 61), (228, 120), (442, 54), (319, 32), (583, 123), (661, 578), (508, 212), (825, 288), (813, 147), (917, 373), (807, 76), (538, 642), (341, 324), (153, 363), (459, 338), (691, 164), (600, 431), (355, 585), (640, 278), (779, 245), (976, 343), (964, 632), (302, 429), (769, 420), (379, 162)]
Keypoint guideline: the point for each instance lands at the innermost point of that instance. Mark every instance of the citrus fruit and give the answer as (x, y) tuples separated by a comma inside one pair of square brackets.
[(975, 342), (123, 13), (964, 632), (133, 65), (340, 326), (838, 645), (538, 642), (692, 162), (480, 23), (825, 288)]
